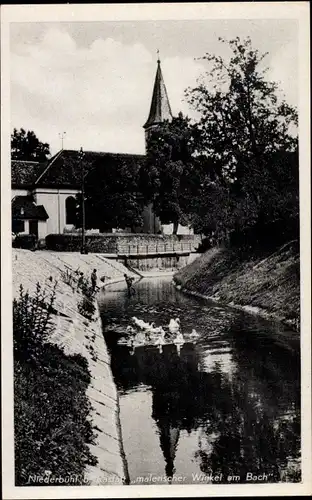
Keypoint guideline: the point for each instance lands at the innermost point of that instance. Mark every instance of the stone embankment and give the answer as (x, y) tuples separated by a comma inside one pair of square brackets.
[(75, 334), (266, 285)]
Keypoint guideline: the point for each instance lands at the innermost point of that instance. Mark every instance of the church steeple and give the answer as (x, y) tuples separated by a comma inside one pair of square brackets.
[(160, 107)]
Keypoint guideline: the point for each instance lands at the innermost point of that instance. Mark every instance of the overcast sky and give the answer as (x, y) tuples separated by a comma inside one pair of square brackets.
[(94, 80)]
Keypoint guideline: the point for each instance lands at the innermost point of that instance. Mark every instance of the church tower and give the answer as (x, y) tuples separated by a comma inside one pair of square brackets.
[(159, 112), (160, 107)]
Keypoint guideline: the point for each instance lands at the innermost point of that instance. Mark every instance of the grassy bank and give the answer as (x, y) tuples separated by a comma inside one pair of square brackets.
[(269, 283)]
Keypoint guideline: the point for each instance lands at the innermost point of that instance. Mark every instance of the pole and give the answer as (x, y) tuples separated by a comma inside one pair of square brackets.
[(62, 135), (83, 229)]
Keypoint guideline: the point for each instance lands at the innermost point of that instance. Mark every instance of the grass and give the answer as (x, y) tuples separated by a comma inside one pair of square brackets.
[(270, 282)]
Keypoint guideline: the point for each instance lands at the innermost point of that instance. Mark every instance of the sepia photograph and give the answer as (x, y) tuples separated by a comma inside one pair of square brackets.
[(155, 206)]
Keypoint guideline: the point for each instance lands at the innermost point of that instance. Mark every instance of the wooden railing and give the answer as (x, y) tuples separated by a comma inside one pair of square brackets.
[(155, 248)]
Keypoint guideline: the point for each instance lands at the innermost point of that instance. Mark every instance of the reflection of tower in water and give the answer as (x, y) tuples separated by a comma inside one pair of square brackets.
[(171, 396), (169, 437), (166, 409)]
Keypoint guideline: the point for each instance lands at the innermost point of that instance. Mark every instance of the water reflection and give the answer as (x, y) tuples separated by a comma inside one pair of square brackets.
[(227, 405)]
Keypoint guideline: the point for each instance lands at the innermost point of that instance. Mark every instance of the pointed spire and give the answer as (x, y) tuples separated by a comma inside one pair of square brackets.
[(160, 107)]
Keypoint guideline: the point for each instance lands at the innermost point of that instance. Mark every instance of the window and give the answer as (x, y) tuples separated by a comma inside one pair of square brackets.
[(70, 205)]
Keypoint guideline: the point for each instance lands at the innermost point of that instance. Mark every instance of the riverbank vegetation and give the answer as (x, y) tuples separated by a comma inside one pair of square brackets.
[(80, 283), (269, 284), (51, 410)]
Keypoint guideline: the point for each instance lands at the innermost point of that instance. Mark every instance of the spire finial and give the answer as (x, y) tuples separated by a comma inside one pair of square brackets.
[(158, 60)]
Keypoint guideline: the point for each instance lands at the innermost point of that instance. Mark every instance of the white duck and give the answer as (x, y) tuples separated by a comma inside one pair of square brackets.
[(194, 334), (179, 340), (143, 325), (140, 323), (133, 343), (150, 327), (159, 329), (174, 325)]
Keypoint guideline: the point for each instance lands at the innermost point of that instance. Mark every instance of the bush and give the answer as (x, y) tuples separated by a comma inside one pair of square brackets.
[(72, 243), (205, 245), (51, 409), (25, 241), (86, 307), (70, 277), (31, 321), (52, 427), (265, 237)]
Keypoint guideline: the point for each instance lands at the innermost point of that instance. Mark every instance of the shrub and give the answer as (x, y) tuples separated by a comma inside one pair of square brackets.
[(32, 320), (25, 241), (205, 245), (51, 409), (52, 427), (70, 277), (86, 307), (72, 243)]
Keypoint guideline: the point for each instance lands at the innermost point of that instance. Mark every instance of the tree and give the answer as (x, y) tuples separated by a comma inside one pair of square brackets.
[(112, 199), (26, 146), (167, 174), (244, 128)]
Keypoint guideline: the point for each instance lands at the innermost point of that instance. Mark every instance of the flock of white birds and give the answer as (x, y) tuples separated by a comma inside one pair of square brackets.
[(141, 333)]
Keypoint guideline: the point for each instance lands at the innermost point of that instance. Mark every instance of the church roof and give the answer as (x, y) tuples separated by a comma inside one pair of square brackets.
[(65, 169), (23, 207), (160, 106), (25, 173)]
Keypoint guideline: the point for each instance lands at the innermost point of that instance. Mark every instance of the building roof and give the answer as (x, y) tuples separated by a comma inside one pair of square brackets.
[(160, 106), (23, 207), (65, 169), (25, 173)]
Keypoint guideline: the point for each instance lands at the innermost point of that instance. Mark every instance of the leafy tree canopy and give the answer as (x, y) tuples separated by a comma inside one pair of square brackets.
[(242, 117), (249, 136), (26, 146), (112, 199), (166, 177)]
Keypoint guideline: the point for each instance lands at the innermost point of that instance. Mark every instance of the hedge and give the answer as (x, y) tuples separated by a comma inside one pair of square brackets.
[(26, 241), (72, 243)]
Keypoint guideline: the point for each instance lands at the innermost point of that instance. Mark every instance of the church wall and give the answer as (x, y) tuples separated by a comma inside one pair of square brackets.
[(42, 228), (53, 201)]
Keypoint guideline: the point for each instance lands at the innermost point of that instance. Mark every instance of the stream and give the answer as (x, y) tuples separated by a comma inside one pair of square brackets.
[(225, 408)]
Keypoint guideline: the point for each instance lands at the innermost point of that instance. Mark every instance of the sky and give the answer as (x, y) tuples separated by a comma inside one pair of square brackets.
[(94, 80)]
